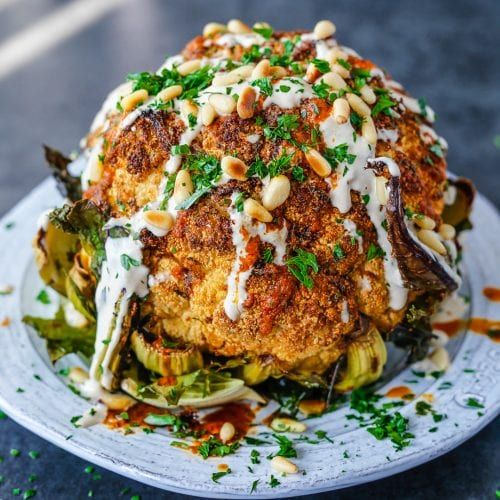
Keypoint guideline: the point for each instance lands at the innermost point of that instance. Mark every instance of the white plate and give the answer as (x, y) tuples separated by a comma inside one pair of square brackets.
[(46, 405)]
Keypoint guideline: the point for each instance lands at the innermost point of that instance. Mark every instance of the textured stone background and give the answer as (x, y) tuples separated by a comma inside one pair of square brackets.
[(446, 51)]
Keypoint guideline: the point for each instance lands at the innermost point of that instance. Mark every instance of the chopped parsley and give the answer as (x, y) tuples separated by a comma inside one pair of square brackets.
[(238, 202), (180, 149), (264, 31), (374, 251), (321, 65), (285, 125), (301, 265), (286, 448), (255, 457), (338, 253), (423, 107), (217, 475), (264, 85), (267, 256), (213, 447), (339, 154), (384, 103), (474, 403), (298, 174), (43, 297), (273, 482), (127, 262), (254, 486)]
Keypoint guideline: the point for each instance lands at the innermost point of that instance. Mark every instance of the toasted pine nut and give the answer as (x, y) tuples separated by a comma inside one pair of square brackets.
[(222, 103), (116, 401), (77, 375), (334, 80), (382, 195), (224, 79), (340, 70), (324, 29), (312, 406), (440, 358), (367, 94), (424, 222), (358, 105), (255, 210), (208, 114), (287, 425), (262, 69), (188, 67), (368, 130), (234, 168), (227, 432), (159, 219), (261, 24), (430, 239), (131, 101), (212, 29), (188, 107), (95, 168), (183, 187), (341, 110), (318, 163), (283, 465), (6, 289), (278, 72), (276, 192), (312, 73), (246, 102), (334, 54), (243, 71), (169, 93), (238, 27), (447, 231)]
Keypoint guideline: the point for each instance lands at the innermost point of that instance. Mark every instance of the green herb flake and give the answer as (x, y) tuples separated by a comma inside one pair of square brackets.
[(14, 452), (34, 454), (264, 31), (43, 297), (338, 253), (267, 256), (213, 447), (301, 265), (374, 251), (273, 482), (254, 486), (127, 262), (474, 403), (321, 65), (384, 103), (264, 85), (217, 475)]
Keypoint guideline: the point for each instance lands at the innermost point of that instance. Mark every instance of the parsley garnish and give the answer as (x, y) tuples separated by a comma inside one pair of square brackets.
[(212, 447), (338, 253), (474, 403), (286, 124), (273, 482), (43, 297), (180, 149), (127, 262), (286, 446), (254, 486), (339, 154), (264, 31), (423, 107), (298, 174), (267, 256), (264, 85), (374, 251), (217, 475), (384, 103), (301, 264), (321, 65)]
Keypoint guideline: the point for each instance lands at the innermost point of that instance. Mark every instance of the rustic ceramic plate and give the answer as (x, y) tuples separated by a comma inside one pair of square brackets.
[(46, 405)]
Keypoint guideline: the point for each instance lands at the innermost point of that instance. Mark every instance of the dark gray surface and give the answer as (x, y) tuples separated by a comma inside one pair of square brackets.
[(446, 51)]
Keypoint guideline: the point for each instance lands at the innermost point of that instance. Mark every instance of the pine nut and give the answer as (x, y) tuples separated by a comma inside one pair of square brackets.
[(283, 465), (222, 103), (312, 406), (131, 101), (77, 375), (255, 210), (169, 93), (159, 219), (318, 163), (246, 102), (227, 432), (188, 107), (276, 192), (116, 401), (424, 222), (447, 231), (440, 358), (225, 79), (243, 71), (334, 80), (287, 425), (382, 194), (340, 70), (324, 29), (6, 289), (261, 25), (183, 187), (334, 54), (238, 27), (95, 168), (312, 73), (429, 238), (367, 94), (358, 105), (262, 69), (208, 114), (189, 67), (212, 29), (368, 130), (234, 168), (341, 110), (278, 72)]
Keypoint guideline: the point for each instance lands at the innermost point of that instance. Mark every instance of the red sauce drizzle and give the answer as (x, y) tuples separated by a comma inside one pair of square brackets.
[(488, 327), (492, 293), (401, 391), (239, 414), (451, 328), (136, 415)]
